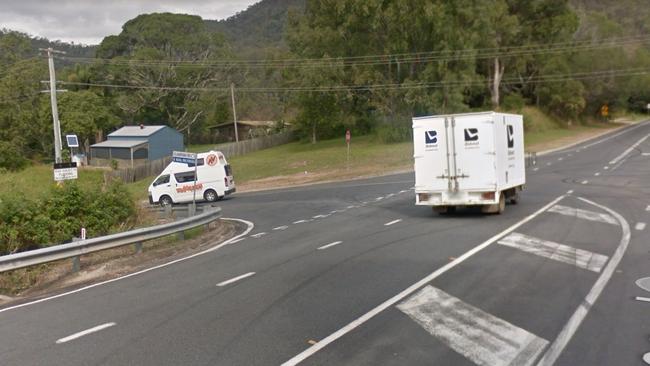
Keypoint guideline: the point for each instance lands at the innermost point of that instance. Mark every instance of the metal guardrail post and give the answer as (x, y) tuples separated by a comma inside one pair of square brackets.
[(180, 235), (138, 247), (76, 264)]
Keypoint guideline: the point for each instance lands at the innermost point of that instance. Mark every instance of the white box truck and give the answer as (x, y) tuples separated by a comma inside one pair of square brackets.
[(176, 184), (469, 159)]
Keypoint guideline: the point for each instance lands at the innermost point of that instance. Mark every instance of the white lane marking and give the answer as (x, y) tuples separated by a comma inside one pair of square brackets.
[(569, 154), (349, 207), (283, 227), (560, 158), (606, 167), (535, 169), (639, 226), (548, 164), (318, 216), (581, 312), (596, 174), (569, 191), (475, 334), (583, 214), (216, 247), (647, 208), (403, 191), (390, 195), (300, 221), (629, 150), (645, 154), (644, 299), (235, 279), (237, 240), (643, 283), (584, 182), (329, 245), (84, 332), (333, 212), (646, 358), (556, 251), (258, 235), (411, 289), (392, 222), (379, 198)]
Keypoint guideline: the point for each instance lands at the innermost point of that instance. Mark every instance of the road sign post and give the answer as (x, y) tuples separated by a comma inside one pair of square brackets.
[(347, 141), (188, 158)]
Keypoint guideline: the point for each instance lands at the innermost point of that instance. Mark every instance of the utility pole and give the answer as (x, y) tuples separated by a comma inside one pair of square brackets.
[(234, 111), (55, 110)]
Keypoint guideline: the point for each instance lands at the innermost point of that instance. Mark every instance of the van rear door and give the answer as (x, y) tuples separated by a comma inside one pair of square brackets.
[(472, 152)]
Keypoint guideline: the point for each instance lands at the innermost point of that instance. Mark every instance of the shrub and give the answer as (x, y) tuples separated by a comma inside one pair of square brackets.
[(513, 102), (392, 134), (11, 158)]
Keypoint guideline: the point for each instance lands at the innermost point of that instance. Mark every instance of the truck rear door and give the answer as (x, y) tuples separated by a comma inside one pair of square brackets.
[(472, 156)]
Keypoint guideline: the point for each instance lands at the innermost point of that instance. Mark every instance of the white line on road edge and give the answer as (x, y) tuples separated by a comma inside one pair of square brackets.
[(379, 198), (329, 245), (470, 331), (216, 247), (548, 164), (639, 226), (605, 167), (535, 169), (228, 282), (569, 191), (392, 222), (629, 150), (579, 315), (559, 252), (609, 136), (411, 289), (85, 332), (560, 158), (283, 227), (644, 299)]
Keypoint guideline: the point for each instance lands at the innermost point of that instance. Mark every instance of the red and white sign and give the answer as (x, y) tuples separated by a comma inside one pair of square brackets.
[(83, 233), (347, 136), (211, 160)]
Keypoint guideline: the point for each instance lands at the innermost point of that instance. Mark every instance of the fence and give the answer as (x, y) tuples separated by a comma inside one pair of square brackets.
[(130, 175), (247, 146)]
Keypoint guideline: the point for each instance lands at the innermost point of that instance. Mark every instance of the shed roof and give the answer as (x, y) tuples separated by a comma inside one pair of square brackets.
[(125, 144), (136, 131)]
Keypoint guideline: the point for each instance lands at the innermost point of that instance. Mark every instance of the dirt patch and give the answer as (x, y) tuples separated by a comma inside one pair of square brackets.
[(39, 280)]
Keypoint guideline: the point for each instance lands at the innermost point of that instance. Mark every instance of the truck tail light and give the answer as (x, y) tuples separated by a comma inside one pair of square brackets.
[(423, 197), (488, 196)]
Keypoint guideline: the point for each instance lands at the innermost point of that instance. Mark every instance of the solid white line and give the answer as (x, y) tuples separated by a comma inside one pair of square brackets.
[(639, 226), (608, 135), (579, 315), (562, 253), (548, 164), (83, 333), (235, 279), (403, 191), (596, 174), (216, 247), (629, 150), (646, 299), (475, 334), (237, 240), (350, 207), (392, 222), (283, 227), (390, 195), (646, 358), (584, 182), (411, 289), (535, 169), (379, 198), (583, 214), (329, 245), (258, 235)]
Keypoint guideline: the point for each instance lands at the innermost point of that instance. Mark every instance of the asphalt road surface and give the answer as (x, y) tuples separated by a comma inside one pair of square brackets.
[(353, 273)]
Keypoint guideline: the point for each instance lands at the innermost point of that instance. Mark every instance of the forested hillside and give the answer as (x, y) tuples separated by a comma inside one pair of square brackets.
[(328, 65)]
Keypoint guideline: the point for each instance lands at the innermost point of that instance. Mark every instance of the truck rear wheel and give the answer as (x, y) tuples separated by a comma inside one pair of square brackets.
[(496, 208)]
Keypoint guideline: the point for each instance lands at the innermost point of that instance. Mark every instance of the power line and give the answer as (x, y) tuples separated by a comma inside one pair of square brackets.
[(374, 60), (394, 86)]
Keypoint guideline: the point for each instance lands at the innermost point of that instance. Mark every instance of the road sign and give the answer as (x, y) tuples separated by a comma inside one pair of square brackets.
[(184, 157), (347, 136), (83, 233), (604, 110), (65, 171)]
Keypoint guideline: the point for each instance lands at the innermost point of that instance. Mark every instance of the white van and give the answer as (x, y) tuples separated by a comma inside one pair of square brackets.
[(176, 183)]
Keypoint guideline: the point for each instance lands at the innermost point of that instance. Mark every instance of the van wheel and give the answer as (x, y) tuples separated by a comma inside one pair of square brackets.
[(210, 195), (165, 201)]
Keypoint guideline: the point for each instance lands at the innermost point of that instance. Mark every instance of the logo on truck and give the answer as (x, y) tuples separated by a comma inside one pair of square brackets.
[(431, 137), (211, 160), (511, 136)]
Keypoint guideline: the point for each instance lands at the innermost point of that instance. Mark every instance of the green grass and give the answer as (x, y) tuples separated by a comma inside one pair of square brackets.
[(36, 180)]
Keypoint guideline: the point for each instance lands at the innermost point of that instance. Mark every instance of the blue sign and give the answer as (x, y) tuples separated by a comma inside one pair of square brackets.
[(188, 161)]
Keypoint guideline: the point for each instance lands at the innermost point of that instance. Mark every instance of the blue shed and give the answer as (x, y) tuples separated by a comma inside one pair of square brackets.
[(135, 145)]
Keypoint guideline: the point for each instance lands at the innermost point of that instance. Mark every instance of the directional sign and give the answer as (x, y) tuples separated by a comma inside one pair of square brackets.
[(65, 171), (184, 157)]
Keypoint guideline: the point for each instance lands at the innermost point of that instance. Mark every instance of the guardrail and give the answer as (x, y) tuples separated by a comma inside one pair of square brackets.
[(78, 248)]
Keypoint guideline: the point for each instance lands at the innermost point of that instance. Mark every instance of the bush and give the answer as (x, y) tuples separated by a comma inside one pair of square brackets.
[(11, 158), (513, 102), (28, 224), (392, 134)]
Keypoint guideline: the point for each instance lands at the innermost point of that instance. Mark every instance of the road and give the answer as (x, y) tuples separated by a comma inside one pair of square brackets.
[(353, 273)]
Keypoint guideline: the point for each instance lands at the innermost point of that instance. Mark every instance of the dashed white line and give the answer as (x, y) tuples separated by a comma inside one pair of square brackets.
[(569, 191), (596, 174), (300, 221), (535, 169), (606, 167), (258, 235), (645, 154), (403, 191), (645, 299), (283, 227), (85, 332), (647, 208), (560, 158), (639, 226), (329, 245), (392, 222), (235, 279), (411, 289), (390, 195), (350, 207), (584, 182), (548, 164), (379, 198)]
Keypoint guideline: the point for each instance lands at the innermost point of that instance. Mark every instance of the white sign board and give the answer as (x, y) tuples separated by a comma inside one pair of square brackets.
[(184, 157), (65, 171)]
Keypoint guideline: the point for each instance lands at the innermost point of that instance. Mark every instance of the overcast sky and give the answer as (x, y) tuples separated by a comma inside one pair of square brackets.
[(89, 21)]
